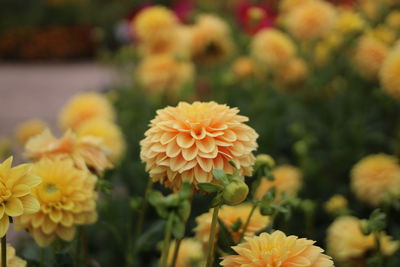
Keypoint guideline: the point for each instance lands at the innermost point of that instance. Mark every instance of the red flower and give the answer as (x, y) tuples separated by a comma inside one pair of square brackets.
[(254, 17)]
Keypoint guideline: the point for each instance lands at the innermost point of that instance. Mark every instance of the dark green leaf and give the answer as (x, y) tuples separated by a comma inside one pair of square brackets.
[(209, 187)]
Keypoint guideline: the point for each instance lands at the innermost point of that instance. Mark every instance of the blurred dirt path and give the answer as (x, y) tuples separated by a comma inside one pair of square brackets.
[(39, 90)]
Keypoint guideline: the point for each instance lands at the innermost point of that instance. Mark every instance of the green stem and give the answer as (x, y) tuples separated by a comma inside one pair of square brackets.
[(167, 240), (253, 208), (132, 246), (211, 243), (42, 257), (4, 251), (378, 249)]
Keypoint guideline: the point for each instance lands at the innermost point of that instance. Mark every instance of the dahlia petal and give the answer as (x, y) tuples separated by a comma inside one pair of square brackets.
[(190, 153), (299, 262), (218, 162), (37, 219), (198, 135), (68, 219), (184, 140), (177, 163), (188, 165), (200, 175), (171, 174), (30, 204), (210, 155), (66, 233), (229, 136), (48, 226), (205, 164), (56, 215), (16, 173), (155, 137), (206, 145), (4, 225), (14, 207), (158, 147), (41, 238), (214, 134), (20, 190), (222, 143), (167, 137), (173, 149)]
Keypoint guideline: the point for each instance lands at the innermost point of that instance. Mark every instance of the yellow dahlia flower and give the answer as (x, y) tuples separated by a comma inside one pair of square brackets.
[(243, 67), (384, 34), (294, 73), (311, 20), (190, 253), (393, 20), (374, 177), (229, 215), (277, 249), (345, 241), (85, 106), (28, 129), (86, 152), (164, 73), (155, 24), (211, 39), (108, 131), (16, 196), (390, 74), (12, 259), (272, 48), (336, 204), (287, 180), (186, 142), (369, 55), (67, 199), (349, 21)]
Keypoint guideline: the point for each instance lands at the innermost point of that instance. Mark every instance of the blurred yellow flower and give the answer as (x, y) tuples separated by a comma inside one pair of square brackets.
[(349, 21), (272, 49), (374, 177), (346, 242), (243, 67), (190, 253), (393, 20), (17, 198), (154, 24), (67, 199), (28, 129), (277, 249), (184, 143), (109, 132), (85, 106), (369, 55), (229, 215), (390, 73), (287, 5), (287, 180), (86, 152), (12, 259), (336, 204), (164, 74), (210, 39), (294, 72), (384, 34), (311, 20)]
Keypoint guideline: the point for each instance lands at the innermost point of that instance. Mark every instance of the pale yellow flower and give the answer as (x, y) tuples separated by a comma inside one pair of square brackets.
[(345, 241), (164, 74), (12, 259), (16, 196), (86, 152), (311, 20), (210, 39), (277, 249), (190, 253), (186, 142), (28, 129), (230, 215), (67, 198), (243, 67), (374, 177), (110, 134), (272, 49), (336, 204), (85, 106), (369, 56), (390, 74), (288, 180)]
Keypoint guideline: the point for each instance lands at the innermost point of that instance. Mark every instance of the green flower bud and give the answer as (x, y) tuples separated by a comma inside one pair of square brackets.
[(264, 159), (235, 192), (364, 226)]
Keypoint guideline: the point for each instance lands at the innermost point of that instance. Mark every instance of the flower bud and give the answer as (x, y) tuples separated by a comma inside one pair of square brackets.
[(364, 226), (235, 192), (265, 159)]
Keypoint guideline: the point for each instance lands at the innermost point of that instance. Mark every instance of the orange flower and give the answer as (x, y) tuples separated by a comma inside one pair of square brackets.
[(229, 215), (243, 67), (277, 249), (87, 151), (186, 142)]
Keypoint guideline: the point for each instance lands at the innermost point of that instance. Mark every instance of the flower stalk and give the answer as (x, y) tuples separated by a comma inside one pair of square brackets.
[(211, 243), (167, 240), (4, 251)]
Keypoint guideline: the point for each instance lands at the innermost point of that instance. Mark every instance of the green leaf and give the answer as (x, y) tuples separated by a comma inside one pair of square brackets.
[(220, 176), (151, 236), (178, 229), (225, 241), (210, 188), (236, 226), (184, 210), (135, 203), (217, 200), (186, 190)]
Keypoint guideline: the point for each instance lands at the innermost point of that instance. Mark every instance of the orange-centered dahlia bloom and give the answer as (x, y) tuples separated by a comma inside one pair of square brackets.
[(16, 199), (83, 107), (186, 142), (277, 249), (229, 215), (86, 152), (12, 259), (375, 177), (67, 199)]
